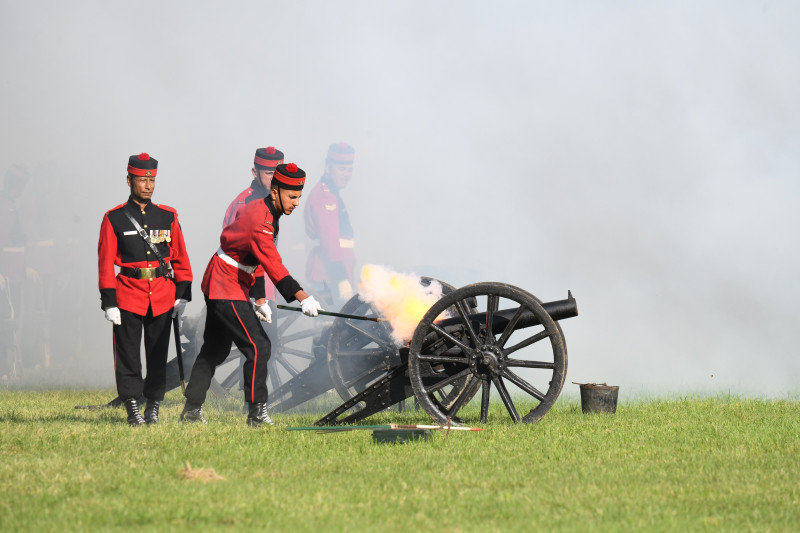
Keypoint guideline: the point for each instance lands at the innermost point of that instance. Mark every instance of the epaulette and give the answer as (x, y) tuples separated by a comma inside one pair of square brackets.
[(120, 206), (166, 208)]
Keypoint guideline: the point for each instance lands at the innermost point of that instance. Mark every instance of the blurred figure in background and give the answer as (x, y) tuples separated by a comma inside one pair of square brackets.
[(331, 261), (153, 286), (13, 272)]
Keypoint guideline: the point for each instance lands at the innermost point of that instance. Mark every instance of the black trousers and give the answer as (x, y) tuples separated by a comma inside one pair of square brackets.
[(128, 358), (231, 322)]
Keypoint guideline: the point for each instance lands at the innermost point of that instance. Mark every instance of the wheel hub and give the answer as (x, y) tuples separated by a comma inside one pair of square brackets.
[(487, 360)]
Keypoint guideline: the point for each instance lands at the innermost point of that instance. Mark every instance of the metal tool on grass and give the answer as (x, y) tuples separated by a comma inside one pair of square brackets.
[(331, 313), (337, 429)]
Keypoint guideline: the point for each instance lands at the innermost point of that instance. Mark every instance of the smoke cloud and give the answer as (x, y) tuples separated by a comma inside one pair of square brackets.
[(642, 155), (403, 299)]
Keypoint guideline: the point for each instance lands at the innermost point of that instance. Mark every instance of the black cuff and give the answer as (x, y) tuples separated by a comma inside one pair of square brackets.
[(183, 290), (257, 289), (288, 287), (108, 298)]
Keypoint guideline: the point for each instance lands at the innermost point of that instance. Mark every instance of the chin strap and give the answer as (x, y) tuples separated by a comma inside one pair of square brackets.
[(280, 201)]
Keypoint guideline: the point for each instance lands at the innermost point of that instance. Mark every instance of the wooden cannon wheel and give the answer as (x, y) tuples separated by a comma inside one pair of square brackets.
[(525, 366)]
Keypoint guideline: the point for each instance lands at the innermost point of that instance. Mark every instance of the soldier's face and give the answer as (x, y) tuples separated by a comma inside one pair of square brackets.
[(142, 187), (286, 200), (263, 176), (340, 174)]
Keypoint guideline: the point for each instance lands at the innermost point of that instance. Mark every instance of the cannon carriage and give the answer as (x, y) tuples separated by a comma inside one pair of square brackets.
[(485, 338)]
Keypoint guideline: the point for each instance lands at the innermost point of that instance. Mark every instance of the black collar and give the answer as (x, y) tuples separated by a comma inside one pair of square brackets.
[(259, 189)]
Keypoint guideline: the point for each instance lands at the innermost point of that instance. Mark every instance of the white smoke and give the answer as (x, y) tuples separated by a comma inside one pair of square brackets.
[(401, 298)]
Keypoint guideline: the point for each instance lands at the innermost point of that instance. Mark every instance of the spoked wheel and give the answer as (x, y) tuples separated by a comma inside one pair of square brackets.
[(510, 343), (361, 352)]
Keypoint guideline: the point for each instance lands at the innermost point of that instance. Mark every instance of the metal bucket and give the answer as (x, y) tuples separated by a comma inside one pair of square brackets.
[(598, 397)]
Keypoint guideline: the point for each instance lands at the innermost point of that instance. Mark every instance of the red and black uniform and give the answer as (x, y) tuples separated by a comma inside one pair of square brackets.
[(144, 291), (332, 259), (262, 288), (245, 244), (265, 159), (255, 191)]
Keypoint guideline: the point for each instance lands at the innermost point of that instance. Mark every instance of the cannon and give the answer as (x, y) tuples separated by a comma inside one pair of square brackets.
[(481, 337)]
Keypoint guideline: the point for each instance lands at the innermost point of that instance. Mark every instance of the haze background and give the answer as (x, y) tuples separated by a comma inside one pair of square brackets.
[(642, 154)]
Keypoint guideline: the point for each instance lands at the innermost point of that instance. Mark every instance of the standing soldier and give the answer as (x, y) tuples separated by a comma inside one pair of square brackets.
[(249, 241), (154, 283), (331, 262)]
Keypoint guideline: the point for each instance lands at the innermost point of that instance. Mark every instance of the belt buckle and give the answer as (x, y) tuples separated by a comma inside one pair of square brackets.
[(147, 273)]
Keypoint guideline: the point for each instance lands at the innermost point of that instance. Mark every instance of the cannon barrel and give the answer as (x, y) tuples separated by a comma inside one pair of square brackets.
[(558, 310)]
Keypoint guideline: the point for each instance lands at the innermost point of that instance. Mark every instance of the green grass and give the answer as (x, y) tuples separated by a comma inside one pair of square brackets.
[(656, 465)]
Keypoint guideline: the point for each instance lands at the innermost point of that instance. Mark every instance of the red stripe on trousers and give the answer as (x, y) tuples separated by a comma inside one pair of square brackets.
[(255, 358)]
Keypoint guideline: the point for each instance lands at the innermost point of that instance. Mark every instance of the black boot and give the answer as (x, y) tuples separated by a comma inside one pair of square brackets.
[(257, 415), (192, 414), (151, 413), (134, 416)]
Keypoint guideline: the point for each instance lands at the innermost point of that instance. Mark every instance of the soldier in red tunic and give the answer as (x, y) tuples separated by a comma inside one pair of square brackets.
[(264, 163), (331, 262), (249, 241), (153, 286)]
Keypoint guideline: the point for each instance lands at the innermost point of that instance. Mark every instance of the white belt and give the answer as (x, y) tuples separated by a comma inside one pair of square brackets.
[(233, 262)]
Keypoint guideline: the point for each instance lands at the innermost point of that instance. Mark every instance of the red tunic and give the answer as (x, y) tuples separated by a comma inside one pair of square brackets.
[(250, 241), (121, 245), (254, 192), (327, 221)]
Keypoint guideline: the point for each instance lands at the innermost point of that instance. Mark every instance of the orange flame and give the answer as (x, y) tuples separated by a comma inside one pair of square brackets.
[(401, 298)]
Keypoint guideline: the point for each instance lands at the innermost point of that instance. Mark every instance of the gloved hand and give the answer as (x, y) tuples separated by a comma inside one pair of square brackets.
[(264, 312), (345, 290), (310, 306), (177, 309), (113, 316)]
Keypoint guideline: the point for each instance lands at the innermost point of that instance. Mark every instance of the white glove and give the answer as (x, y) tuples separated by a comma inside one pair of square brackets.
[(264, 313), (310, 306), (177, 309), (113, 316)]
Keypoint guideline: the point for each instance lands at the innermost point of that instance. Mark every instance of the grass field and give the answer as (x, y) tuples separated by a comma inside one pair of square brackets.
[(694, 464)]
